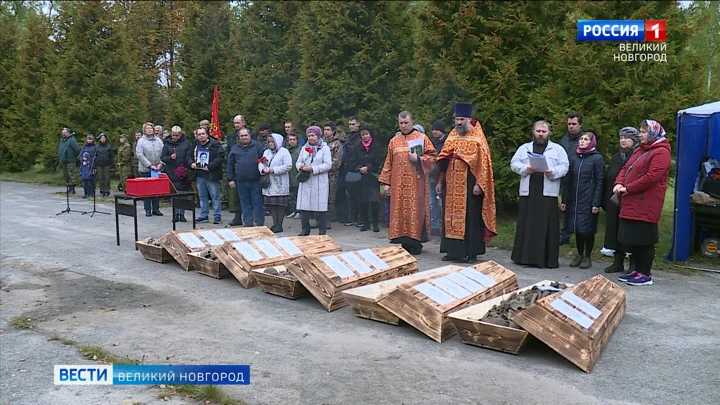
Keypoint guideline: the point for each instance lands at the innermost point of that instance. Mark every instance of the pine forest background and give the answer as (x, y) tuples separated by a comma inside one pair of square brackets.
[(109, 66)]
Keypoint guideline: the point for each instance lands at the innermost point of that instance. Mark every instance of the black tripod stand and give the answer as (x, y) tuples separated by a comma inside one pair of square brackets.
[(67, 199), (94, 211)]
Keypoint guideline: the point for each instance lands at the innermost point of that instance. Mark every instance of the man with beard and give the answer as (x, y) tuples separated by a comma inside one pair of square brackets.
[(466, 174), (538, 224), (404, 175), (570, 143)]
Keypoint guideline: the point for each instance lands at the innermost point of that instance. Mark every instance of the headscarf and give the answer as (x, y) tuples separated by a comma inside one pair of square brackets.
[(630, 133), (278, 140), (419, 128), (318, 132), (655, 131), (367, 144), (591, 147)]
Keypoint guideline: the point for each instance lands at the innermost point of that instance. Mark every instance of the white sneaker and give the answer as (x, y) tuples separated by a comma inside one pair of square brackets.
[(290, 215), (297, 215), (607, 252)]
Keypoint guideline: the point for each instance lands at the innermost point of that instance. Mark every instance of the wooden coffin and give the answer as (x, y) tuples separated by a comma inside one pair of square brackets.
[(327, 276), (487, 335), (180, 243), (154, 251), (578, 322), (425, 304), (286, 286), (205, 262), (364, 300), (241, 258)]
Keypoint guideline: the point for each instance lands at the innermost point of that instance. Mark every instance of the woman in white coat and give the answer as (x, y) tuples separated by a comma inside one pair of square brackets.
[(276, 163), (314, 162)]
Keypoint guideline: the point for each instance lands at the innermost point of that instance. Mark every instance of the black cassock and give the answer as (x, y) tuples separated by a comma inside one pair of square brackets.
[(537, 236)]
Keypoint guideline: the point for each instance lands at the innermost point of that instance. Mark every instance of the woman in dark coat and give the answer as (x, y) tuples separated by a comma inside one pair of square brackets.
[(629, 141), (366, 160), (582, 197), (177, 152)]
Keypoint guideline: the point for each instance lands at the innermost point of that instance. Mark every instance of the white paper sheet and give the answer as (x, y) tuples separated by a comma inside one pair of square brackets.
[(248, 251), (288, 246), (580, 303), (212, 238), (227, 234), (270, 251), (465, 282), (537, 162), (373, 259), (479, 277), (572, 313), (434, 293), (450, 287), (337, 266), (356, 263), (191, 240)]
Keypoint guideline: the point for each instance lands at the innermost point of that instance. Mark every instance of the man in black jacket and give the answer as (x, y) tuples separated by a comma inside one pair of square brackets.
[(208, 159), (570, 143), (104, 164), (231, 140), (349, 205), (243, 175)]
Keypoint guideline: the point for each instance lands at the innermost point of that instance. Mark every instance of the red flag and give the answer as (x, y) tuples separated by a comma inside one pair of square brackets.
[(215, 119)]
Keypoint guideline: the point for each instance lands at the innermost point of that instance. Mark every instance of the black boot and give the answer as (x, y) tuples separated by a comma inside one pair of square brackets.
[(374, 212), (618, 263), (176, 218), (72, 189), (305, 221), (181, 217), (237, 220), (364, 223)]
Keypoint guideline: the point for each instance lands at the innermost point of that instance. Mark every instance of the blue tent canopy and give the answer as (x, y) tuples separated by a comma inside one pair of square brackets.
[(698, 137)]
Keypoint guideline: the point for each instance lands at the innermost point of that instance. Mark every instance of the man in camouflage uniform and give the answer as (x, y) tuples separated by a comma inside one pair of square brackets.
[(135, 162), (332, 136), (124, 161)]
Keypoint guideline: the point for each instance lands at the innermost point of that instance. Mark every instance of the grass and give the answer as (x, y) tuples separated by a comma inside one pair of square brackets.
[(97, 353), (21, 322), (506, 239), (211, 393)]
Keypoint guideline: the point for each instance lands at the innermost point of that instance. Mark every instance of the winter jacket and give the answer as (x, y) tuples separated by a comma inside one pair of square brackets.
[(557, 160), (294, 153), (368, 188), (91, 149), (584, 191), (68, 150), (645, 176), (104, 156), (148, 152), (215, 160), (281, 162), (242, 162), (612, 211), (183, 156), (86, 168), (313, 193), (336, 151), (352, 141)]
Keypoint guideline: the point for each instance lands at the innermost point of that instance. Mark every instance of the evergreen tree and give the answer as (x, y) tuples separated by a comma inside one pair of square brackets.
[(9, 42), (22, 132)]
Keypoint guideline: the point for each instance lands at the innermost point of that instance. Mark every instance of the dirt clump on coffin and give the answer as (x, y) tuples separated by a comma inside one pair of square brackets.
[(501, 313), (284, 274), (151, 241)]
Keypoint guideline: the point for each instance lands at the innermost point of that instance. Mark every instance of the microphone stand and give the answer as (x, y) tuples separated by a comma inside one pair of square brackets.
[(67, 200), (94, 211)]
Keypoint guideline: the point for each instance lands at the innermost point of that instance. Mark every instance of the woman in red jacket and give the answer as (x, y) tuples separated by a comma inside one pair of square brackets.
[(641, 185)]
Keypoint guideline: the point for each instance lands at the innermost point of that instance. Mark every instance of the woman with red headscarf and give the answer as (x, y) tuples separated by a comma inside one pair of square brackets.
[(583, 197), (641, 185)]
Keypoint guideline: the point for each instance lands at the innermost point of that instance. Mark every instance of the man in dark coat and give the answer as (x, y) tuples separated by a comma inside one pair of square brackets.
[(68, 152), (244, 176), (346, 200), (178, 152), (208, 159), (570, 143)]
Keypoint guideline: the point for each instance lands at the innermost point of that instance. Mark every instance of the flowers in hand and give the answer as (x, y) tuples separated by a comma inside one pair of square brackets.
[(308, 149), (263, 160), (181, 172)]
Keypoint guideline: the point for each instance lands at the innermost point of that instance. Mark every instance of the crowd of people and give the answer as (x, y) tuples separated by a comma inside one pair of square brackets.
[(438, 185)]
